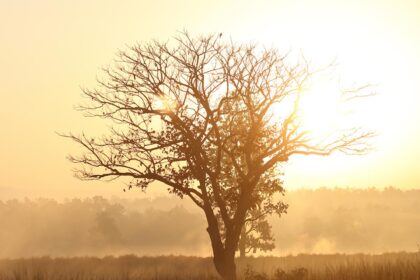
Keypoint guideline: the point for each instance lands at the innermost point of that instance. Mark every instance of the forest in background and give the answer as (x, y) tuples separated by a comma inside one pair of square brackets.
[(318, 221)]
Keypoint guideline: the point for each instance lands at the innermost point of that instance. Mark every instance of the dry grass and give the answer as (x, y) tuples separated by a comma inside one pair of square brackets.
[(314, 267)]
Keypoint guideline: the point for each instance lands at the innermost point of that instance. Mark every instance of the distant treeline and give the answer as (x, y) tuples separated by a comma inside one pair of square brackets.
[(349, 221), (318, 221)]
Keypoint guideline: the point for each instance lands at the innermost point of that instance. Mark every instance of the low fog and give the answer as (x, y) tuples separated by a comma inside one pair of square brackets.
[(318, 221)]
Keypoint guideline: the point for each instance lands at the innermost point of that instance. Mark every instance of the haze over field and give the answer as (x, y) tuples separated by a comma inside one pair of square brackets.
[(355, 221)]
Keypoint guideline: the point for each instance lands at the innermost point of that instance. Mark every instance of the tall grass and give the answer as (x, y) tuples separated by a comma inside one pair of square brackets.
[(395, 266)]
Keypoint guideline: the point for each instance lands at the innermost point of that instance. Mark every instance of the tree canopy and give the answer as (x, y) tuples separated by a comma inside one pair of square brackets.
[(212, 120)]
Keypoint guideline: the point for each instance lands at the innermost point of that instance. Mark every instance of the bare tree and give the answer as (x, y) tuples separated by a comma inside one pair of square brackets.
[(177, 110)]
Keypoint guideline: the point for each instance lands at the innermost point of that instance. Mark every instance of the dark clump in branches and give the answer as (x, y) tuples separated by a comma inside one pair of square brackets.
[(210, 120)]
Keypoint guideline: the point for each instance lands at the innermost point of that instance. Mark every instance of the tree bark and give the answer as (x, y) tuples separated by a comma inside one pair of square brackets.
[(223, 258), (225, 265), (224, 252)]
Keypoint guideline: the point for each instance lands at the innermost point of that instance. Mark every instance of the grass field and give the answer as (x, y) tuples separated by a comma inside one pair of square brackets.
[(344, 267)]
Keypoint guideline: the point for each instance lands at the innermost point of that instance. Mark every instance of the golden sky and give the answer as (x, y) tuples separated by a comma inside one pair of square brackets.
[(50, 48)]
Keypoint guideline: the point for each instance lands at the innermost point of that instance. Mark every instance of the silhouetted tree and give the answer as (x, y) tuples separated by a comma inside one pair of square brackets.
[(177, 109)]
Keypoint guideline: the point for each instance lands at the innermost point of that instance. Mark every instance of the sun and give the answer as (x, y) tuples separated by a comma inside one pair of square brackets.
[(320, 109)]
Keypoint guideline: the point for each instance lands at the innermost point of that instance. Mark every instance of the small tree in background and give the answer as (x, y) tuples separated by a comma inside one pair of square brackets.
[(256, 235), (210, 120)]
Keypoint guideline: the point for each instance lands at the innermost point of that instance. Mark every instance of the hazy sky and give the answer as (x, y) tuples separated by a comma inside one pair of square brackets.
[(50, 48)]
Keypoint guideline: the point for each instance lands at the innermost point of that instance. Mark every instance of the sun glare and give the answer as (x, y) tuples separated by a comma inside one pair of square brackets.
[(162, 103), (319, 109), (159, 104)]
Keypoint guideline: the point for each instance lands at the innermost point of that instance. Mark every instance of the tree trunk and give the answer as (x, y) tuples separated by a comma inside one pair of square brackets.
[(225, 265), (224, 252), (223, 259)]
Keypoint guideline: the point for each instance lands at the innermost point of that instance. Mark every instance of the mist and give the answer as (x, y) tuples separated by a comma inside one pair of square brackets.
[(318, 221)]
